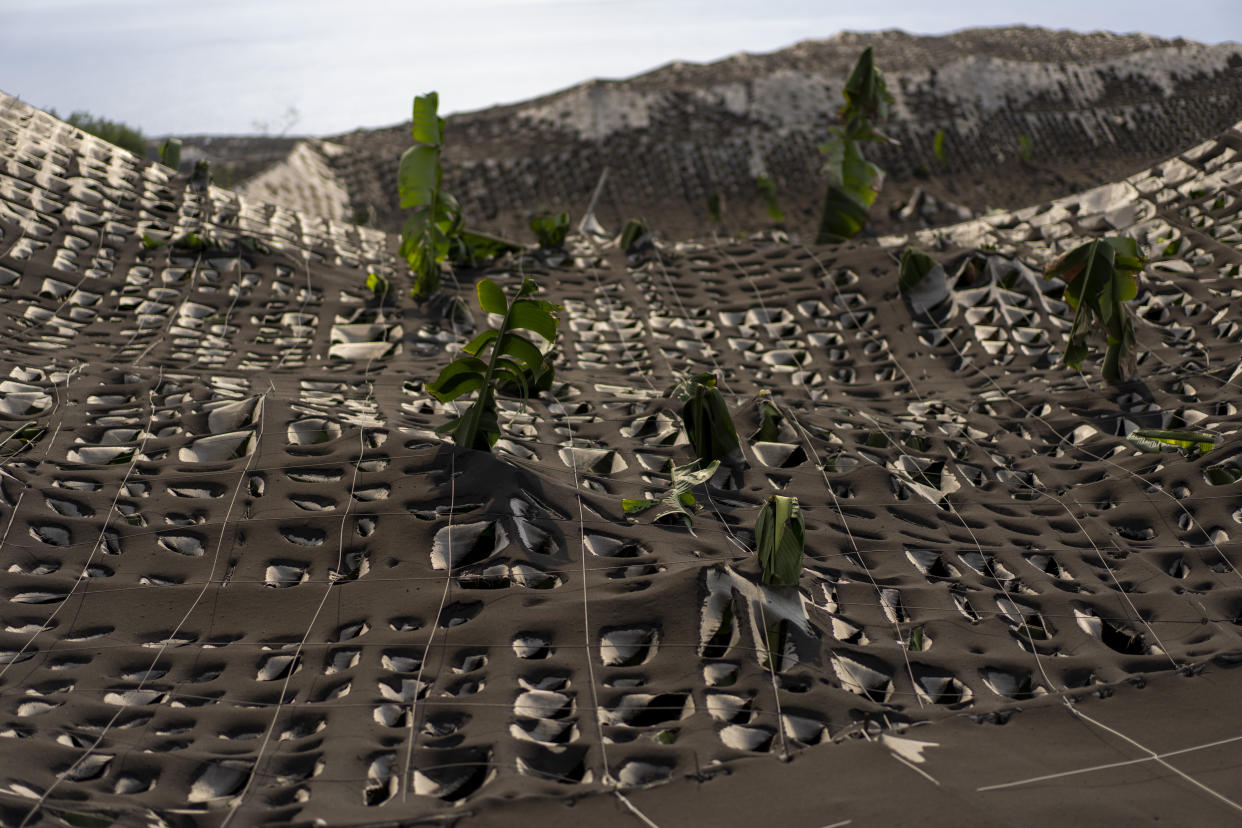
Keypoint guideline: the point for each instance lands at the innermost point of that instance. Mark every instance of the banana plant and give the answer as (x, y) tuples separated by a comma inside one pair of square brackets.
[(634, 236), (514, 360), (428, 234), (709, 425), (471, 249), (853, 181), (770, 419), (678, 503), (170, 153), (780, 541), (551, 230), (767, 191), (1100, 277)]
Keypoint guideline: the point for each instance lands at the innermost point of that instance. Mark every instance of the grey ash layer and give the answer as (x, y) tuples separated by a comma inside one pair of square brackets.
[(226, 591)]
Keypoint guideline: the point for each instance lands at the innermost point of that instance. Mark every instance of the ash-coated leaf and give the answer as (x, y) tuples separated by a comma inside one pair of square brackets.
[(780, 541), (677, 502), (1163, 440)]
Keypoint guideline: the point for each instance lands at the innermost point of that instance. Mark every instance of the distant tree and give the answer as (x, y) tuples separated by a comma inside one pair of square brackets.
[(114, 132)]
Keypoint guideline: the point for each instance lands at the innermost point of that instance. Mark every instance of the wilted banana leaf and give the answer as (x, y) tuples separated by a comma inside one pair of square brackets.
[(23, 438), (678, 503), (780, 540), (709, 426), (1157, 440), (513, 360), (1100, 276)]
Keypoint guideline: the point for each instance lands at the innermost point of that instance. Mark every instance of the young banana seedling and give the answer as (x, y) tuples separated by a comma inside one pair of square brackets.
[(436, 231), (515, 365)]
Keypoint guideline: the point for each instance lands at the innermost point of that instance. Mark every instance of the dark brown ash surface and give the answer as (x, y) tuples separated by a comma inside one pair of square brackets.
[(224, 584)]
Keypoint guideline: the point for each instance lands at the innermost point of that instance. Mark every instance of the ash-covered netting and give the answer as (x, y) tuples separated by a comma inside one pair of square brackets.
[(244, 580), (999, 117)]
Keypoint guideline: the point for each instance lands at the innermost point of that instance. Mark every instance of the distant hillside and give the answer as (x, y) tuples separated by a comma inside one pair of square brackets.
[(1027, 114)]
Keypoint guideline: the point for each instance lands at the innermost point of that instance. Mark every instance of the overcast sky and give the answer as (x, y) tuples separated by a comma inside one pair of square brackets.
[(243, 66)]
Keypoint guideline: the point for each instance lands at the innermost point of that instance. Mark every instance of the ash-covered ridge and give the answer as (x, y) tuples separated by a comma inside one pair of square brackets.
[(241, 578), (1027, 115)]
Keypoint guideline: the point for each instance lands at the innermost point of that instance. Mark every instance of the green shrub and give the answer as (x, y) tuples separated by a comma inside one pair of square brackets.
[(114, 132)]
